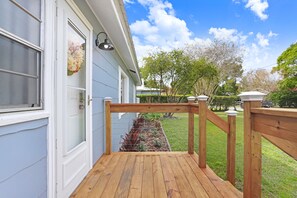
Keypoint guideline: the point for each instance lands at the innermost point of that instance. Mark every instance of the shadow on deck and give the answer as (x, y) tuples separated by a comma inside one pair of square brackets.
[(153, 174)]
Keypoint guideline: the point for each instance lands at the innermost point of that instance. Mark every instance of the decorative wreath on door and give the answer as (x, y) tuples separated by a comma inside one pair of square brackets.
[(75, 57)]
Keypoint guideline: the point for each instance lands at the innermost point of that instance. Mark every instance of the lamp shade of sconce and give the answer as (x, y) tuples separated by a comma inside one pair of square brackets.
[(106, 45)]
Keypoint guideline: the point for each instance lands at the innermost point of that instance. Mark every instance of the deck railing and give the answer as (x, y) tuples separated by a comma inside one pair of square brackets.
[(229, 127), (279, 126)]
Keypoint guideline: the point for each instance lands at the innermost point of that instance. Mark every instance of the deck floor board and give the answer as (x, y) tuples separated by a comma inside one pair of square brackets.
[(164, 174)]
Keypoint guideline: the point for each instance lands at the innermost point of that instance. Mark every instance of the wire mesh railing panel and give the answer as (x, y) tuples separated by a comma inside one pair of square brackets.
[(279, 172)]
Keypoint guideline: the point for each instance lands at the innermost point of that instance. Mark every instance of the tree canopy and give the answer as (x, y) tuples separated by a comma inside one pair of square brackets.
[(227, 59), (287, 67), (259, 80), (175, 72), (286, 95)]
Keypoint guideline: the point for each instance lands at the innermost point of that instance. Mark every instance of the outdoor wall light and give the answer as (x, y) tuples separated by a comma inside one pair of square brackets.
[(106, 45)]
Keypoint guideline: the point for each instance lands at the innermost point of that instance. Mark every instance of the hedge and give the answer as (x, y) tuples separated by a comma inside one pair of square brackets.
[(284, 98), (145, 98), (223, 102), (217, 103)]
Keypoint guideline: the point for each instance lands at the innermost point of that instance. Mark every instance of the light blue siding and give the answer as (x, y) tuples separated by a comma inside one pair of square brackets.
[(23, 154), (105, 83)]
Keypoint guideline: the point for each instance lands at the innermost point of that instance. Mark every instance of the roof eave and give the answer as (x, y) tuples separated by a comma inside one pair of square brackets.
[(112, 16)]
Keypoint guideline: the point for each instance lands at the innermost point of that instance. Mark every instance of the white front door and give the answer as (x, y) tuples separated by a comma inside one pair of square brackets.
[(73, 91)]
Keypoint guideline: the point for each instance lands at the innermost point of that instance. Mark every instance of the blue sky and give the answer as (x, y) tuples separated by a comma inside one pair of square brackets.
[(262, 28)]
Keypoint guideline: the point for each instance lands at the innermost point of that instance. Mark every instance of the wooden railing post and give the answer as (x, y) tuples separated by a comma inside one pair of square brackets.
[(108, 139), (202, 130), (191, 100), (252, 147), (231, 143)]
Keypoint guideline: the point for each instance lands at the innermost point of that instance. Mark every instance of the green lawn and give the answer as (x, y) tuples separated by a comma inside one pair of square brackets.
[(279, 170)]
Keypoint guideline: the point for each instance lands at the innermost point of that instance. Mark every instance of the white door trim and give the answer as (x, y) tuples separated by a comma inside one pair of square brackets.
[(58, 80), (49, 98)]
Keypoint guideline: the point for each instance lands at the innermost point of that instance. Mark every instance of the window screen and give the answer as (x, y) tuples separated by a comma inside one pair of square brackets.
[(20, 55)]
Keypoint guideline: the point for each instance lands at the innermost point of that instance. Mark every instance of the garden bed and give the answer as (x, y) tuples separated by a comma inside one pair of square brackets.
[(145, 135)]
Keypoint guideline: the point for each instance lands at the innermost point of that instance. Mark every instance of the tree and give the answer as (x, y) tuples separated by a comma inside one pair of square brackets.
[(259, 80), (227, 58), (175, 72), (155, 69), (286, 95), (287, 67), (229, 88)]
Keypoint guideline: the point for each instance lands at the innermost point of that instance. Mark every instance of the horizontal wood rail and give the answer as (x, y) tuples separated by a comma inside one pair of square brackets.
[(229, 127), (150, 108), (282, 112), (279, 126)]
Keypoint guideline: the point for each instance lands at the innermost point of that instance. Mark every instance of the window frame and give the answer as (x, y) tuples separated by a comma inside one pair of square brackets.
[(126, 88), (40, 67)]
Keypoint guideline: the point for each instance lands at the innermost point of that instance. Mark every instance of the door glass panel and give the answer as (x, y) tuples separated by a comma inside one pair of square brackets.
[(76, 118), (76, 88)]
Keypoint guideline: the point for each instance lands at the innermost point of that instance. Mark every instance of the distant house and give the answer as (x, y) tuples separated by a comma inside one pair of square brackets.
[(146, 90), (53, 81)]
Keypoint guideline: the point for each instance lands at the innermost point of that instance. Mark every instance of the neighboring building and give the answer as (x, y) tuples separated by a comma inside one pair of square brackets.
[(146, 90), (53, 81)]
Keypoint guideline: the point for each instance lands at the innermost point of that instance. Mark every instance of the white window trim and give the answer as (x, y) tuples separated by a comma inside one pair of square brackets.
[(134, 93), (24, 116), (126, 99)]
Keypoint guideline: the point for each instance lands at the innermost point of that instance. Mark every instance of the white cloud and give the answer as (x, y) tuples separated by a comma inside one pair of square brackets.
[(262, 40), (258, 57), (161, 29), (143, 28), (236, 1), (227, 35), (129, 1), (272, 34), (142, 50), (258, 7), (201, 42)]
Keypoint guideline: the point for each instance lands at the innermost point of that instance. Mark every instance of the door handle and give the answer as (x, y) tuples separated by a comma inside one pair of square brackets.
[(89, 100)]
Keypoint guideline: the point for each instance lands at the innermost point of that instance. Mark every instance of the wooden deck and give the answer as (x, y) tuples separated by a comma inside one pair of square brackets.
[(166, 174)]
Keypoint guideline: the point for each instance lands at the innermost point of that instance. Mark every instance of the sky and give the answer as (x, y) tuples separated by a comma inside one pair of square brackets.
[(262, 28)]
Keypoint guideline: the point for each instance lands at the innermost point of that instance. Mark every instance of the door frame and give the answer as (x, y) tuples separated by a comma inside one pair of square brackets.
[(59, 80)]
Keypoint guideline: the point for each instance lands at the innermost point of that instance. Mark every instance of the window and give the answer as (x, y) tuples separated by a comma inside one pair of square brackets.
[(123, 87), (20, 55)]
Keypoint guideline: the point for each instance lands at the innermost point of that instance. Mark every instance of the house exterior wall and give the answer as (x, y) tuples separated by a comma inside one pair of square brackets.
[(105, 80), (23, 154)]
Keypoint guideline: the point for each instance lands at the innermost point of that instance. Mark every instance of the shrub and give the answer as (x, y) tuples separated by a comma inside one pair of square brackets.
[(223, 102), (157, 143), (141, 147), (284, 98), (142, 137), (162, 98), (151, 116), (155, 132)]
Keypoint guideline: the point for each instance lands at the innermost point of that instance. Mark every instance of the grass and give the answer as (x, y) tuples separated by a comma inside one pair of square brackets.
[(279, 174)]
